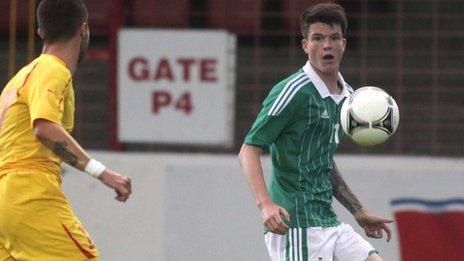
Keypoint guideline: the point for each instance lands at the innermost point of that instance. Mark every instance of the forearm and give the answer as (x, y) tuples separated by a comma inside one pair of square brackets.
[(58, 140), (342, 192), (249, 158)]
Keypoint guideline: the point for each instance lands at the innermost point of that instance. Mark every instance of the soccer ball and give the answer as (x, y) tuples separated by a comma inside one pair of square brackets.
[(369, 116)]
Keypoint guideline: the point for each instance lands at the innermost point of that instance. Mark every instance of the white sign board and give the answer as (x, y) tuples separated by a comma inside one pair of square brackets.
[(198, 207), (176, 86)]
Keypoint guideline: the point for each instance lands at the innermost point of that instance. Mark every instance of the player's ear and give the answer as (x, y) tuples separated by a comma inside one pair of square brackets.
[(84, 30), (304, 45), (344, 44), (40, 32)]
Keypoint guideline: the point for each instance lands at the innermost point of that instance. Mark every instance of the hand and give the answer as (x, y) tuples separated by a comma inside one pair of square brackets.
[(272, 220), (121, 184), (373, 224)]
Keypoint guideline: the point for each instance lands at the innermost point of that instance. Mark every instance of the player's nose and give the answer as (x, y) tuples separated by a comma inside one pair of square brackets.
[(327, 44)]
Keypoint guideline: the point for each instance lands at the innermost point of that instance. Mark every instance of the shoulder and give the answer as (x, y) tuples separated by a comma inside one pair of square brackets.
[(52, 70), (298, 78), (291, 85), (291, 91)]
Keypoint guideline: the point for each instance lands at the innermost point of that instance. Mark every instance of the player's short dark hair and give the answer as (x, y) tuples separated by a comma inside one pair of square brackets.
[(327, 13), (60, 19)]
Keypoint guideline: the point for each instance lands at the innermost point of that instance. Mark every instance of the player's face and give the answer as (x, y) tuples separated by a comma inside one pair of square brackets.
[(84, 43), (325, 46)]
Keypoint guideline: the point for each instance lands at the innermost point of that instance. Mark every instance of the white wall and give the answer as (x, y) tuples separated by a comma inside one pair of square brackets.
[(198, 207)]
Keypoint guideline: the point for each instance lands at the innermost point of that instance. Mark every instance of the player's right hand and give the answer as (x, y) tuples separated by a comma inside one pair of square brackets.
[(121, 184), (272, 219)]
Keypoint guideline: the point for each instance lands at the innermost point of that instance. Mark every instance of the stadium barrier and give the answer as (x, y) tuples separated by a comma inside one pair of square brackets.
[(198, 207)]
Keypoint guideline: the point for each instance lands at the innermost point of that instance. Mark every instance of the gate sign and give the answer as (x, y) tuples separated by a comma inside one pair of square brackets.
[(176, 87)]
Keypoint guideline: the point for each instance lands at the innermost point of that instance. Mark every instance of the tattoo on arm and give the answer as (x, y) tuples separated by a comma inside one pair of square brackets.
[(60, 148), (342, 192)]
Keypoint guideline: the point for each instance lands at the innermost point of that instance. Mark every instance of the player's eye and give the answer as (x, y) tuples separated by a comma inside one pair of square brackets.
[(316, 38), (336, 37)]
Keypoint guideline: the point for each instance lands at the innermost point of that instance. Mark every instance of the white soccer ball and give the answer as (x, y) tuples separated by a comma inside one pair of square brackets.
[(369, 116)]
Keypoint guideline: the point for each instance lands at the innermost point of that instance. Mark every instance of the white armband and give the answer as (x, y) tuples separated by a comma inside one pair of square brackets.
[(94, 168)]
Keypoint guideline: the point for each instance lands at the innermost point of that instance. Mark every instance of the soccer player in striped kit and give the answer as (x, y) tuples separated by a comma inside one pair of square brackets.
[(299, 122)]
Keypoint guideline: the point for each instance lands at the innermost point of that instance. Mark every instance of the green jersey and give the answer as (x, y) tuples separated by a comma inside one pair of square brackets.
[(300, 122)]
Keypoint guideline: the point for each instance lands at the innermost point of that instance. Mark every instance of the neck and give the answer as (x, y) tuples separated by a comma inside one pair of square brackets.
[(330, 79), (66, 52)]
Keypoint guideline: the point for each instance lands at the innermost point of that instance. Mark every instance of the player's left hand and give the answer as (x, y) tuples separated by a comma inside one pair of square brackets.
[(121, 184), (373, 224)]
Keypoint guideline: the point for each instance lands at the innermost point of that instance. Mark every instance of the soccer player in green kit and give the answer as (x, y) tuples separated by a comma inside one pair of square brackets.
[(300, 122)]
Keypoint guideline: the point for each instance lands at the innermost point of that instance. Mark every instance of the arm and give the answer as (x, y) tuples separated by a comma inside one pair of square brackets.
[(372, 224), (342, 192), (249, 158), (57, 139)]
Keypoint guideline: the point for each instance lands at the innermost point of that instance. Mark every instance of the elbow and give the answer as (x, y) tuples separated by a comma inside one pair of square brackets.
[(39, 133), (240, 155), (248, 152), (41, 130)]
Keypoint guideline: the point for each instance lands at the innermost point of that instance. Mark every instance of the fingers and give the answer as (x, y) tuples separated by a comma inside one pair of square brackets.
[(373, 226), (374, 233), (272, 225), (282, 226), (388, 231), (273, 217), (124, 190), (129, 184), (381, 225), (276, 225), (285, 213), (377, 233), (120, 196), (385, 220), (375, 219), (122, 185)]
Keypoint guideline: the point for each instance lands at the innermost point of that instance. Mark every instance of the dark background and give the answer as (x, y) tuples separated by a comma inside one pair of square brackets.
[(414, 49)]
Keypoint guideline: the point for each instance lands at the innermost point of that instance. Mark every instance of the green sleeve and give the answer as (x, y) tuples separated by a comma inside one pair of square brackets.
[(277, 111)]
